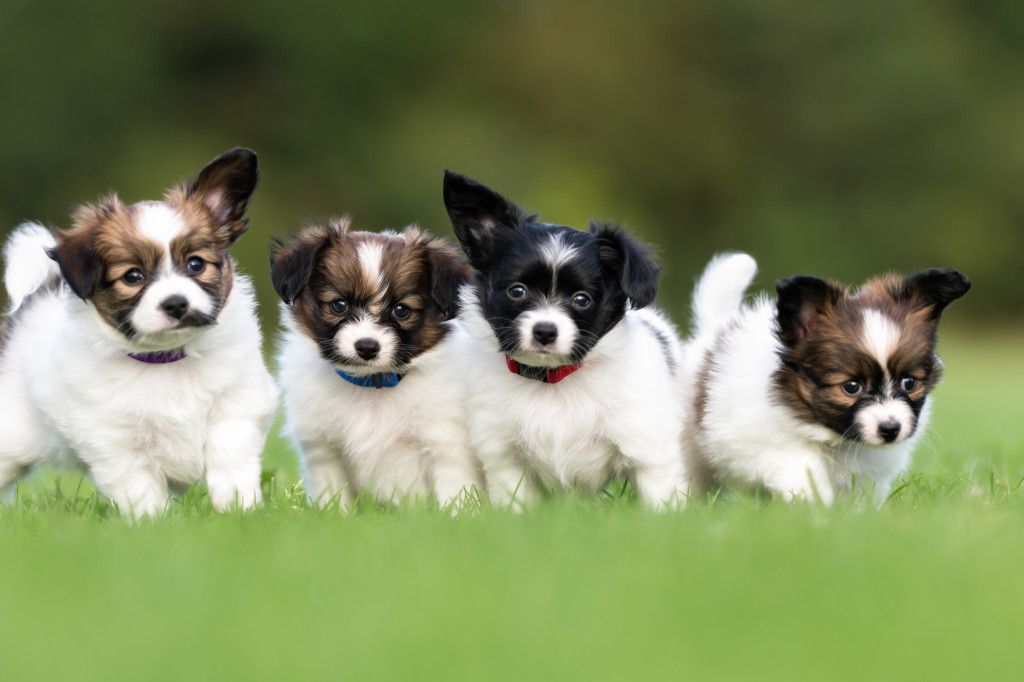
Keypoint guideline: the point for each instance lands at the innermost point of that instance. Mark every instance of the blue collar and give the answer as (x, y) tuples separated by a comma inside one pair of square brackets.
[(382, 380)]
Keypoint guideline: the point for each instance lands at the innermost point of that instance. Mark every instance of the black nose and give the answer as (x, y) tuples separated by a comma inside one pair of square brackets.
[(367, 349), (176, 306), (545, 333), (888, 430)]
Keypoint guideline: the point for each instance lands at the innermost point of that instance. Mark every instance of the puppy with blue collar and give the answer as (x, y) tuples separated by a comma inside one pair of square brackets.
[(371, 400)]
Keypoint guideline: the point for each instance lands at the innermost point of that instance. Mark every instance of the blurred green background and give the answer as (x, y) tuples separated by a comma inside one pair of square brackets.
[(840, 139)]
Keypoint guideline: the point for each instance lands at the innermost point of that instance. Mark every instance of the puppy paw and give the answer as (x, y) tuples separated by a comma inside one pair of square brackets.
[(226, 493)]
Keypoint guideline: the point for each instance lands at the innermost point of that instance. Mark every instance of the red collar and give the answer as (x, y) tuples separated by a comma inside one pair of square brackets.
[(548, 375)]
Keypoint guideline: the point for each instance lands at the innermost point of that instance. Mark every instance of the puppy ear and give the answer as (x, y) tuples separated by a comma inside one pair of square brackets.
[(478, 214), (292, 264), (628, 263), (223, 188), (75, 253), (802, 301), (448, 272), (935, 289)]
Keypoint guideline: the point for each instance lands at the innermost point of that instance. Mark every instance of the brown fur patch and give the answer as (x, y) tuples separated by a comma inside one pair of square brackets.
[(830, 349), (415, 270)]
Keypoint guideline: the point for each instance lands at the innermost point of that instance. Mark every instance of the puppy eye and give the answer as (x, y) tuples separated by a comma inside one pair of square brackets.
[(133, 277), (339, 306), (195, 265), (401, 311), (852, 388), (581, 299), (908, 384), (517, 291)]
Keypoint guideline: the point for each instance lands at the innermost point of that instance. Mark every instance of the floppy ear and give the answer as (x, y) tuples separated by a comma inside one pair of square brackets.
[(935, 289), (224, 186), (628, 263), (80, 265), (75, 253), (291, 264), (802, 300), (478, 214), (448, 272)]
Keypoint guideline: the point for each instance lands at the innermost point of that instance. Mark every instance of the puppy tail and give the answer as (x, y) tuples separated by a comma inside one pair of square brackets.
[(28, 266), (720, 290)]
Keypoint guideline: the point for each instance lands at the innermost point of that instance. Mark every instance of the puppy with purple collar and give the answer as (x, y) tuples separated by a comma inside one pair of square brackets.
[(372, 390), (819, 392), (572, 380), (132, 346)]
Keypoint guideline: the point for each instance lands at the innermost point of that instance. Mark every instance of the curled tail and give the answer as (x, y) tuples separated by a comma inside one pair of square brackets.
[(28, 266), (720, 290)]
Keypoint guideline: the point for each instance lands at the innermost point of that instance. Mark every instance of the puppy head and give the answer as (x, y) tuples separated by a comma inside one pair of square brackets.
[(371, 302), (158, 271), (863, 364), (549, 292)]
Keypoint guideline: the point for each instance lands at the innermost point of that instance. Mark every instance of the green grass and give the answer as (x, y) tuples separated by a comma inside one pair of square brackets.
[(929, 587)]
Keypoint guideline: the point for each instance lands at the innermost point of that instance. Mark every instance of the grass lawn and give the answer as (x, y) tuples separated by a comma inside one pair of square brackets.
[(929, 587)]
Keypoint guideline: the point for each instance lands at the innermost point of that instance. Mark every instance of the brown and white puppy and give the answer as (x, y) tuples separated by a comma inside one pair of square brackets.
[(133, 345), (371, 393), (821, 390)]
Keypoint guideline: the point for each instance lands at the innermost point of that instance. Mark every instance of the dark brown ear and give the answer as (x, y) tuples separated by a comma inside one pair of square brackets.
[(935, 289), (802, 301), (223, 188), (627, 263), (292, 263), (448, 272), (76, 255)]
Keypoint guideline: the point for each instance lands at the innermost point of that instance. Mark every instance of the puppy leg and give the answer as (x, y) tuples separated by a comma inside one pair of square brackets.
[(454, 469), (129, 483), (23, 440), (325, 477), (234, 443), (508, 482), (797, 475)]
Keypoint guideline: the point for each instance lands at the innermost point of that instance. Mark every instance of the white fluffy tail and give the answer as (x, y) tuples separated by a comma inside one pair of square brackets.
[(720, 290), (28, 265)]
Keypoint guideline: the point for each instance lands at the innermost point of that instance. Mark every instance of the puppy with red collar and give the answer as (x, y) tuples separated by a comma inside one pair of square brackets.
[(371, 384), (572, 379), (132, 346)]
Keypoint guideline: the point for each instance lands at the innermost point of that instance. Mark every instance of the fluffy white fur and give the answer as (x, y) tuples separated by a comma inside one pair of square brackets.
[(70, 393), (619, 414), (748, 437), (399, 443)]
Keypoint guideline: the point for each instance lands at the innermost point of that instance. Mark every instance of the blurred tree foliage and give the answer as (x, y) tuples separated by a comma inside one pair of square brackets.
[(835, 138)]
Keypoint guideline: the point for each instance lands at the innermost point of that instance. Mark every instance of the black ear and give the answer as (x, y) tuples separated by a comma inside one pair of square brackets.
[(80, 265), (935, 288), (448, 272), (802, 300), (292, 264), (477, 213), (224, 187), (628, 263)]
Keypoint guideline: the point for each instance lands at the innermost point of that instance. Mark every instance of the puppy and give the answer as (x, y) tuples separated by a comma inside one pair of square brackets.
[(371, 387), (133, 347), (820, 392), (571, 379)]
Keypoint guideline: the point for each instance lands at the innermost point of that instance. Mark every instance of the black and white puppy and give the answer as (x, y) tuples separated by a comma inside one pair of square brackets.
[(371, 389), (819, 392), (572, 380), (132, 346)]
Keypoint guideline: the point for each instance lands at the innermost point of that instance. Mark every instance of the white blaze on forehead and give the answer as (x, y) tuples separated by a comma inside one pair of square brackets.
[(371, 256), (556, 252), (881, 336), (158, 221)]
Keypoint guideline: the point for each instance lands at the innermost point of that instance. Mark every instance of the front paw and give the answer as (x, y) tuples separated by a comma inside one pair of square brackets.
[(227, 493)]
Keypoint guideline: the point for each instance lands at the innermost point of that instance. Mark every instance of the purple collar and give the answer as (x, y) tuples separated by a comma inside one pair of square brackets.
[(160, 357)]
